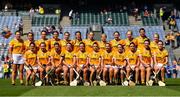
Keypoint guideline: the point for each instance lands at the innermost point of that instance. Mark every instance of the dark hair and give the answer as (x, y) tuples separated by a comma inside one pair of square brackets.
[(43, 43), (56, 43), (142, 29), (104, 34), (43, 31), (116, 32), (120, 45), (82, 43), (55, 32), (30, 33), (132, 43), (17, 32), (161, 42), (147, 40), (69, 43), (77, 32), (95, 43), (66, 33), (32, 43), (109, 44)]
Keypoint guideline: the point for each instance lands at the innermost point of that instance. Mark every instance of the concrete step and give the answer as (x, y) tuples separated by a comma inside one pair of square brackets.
[(133, 22), (65, 21), (27, 24)]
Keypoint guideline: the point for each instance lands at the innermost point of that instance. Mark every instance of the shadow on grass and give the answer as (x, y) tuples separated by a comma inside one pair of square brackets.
[(9, 90)]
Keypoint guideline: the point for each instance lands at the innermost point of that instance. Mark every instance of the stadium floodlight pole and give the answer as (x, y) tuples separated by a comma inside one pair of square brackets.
[(39, 83), (74, 82)]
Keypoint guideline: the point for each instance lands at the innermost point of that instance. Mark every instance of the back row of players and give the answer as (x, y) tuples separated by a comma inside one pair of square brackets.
[(114, 57)]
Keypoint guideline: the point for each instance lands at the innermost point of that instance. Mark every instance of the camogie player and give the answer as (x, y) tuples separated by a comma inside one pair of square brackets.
[(68, 62), (160, 59), (43, 59), (54, 40), (132, 57), (82, 61), (146, 62), (107, 62), (120, 63), (94, 62), (56, 60), (30, 60), (116, 41), (16, 51), (77, 41), (43, 39)]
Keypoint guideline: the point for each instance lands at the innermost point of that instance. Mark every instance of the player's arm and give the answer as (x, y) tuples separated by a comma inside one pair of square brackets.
[(114, 60), (154, 57), (87, 61), (142, 61), (166, 60), (74, 61), (52, 60), (138, 62), (25, 59), (10, 50), (38, 61), (100, 61)]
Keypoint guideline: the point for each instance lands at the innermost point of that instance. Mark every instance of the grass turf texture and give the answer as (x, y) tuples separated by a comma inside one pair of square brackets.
[(172, 89)]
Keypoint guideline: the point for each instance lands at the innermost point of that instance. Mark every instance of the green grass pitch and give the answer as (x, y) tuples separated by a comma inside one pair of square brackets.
[(172, 89)]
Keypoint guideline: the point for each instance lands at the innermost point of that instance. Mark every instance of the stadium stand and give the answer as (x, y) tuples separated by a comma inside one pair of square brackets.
[(44, 20), (150, 20), (12, 23), (178, 24), (87, 18), (73, 29)]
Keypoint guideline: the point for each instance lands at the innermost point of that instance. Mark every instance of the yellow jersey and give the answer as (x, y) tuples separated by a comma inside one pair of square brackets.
[(82, 58), (94, 58), (107, 57), (140, 41), (31, 58), (120, 58), (68, 57), (127, 43), (115, 43), (18, 46), (43, 57), (76, 45), (52, 41), (89, 44), (56, 57), (132, 57), (102, 46), (146, 55), (63, 44), (161, 55), (27, 43), (38, 42), (153, 46)]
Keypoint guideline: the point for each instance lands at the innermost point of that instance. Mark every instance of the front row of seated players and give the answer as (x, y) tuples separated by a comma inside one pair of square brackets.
[(112, 60)]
